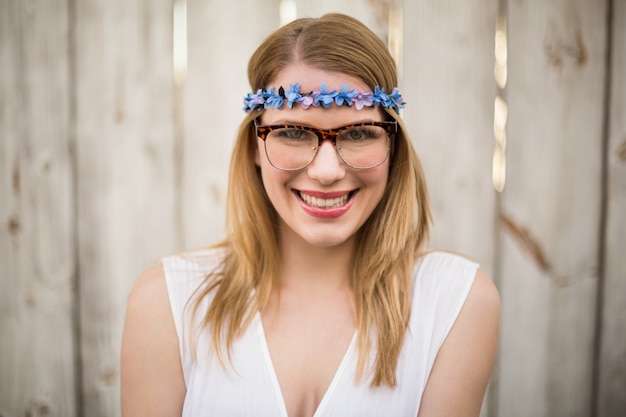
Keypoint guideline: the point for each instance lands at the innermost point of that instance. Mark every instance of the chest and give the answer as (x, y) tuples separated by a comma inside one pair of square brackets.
[(307, 352), (248, 384)]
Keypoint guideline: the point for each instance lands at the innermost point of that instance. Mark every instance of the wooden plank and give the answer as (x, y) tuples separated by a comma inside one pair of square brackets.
[(213, 103), (36, 211), (374, 14), (612, 377), (125, 148), (551, 206), (447, 81), (450, 90)]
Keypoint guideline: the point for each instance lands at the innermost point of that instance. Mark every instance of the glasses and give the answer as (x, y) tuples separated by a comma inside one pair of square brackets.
[(361, 145)]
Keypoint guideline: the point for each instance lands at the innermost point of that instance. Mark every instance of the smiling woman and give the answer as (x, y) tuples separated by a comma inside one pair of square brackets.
[(324, 299)]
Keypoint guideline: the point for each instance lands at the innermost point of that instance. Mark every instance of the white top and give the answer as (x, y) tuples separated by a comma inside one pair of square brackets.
[(249, 387)]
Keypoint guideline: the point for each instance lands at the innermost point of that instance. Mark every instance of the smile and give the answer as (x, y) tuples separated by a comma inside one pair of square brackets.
[(324, 203)]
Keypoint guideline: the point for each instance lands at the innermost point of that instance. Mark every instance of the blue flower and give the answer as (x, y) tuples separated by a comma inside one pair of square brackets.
[(292, 94), (273, 99), (396, 98), (325, 98), (252, 101), (380, 97), (345, 96)]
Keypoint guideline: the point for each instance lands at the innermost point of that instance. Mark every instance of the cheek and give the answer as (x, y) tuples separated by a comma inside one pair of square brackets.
[(273, 179), (378, 176)]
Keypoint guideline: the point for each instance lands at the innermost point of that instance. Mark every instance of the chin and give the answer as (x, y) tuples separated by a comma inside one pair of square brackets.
[(328, 240)]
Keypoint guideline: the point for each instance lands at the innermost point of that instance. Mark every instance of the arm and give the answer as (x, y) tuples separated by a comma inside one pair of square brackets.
[(152, 381), (461, 371)]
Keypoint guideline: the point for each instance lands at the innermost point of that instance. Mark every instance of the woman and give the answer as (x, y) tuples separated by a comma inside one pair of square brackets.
[(322, 300)]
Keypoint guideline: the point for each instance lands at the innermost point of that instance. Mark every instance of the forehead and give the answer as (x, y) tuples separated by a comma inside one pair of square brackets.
[(310, 79)]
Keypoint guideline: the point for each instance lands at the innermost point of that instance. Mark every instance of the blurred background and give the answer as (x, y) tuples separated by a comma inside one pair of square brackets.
[(117, 119)]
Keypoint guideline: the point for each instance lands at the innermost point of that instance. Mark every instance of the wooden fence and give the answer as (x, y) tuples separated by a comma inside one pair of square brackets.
[(107, 162)]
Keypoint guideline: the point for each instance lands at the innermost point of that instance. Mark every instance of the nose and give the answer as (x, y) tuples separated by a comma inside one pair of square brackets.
[(326, 167)]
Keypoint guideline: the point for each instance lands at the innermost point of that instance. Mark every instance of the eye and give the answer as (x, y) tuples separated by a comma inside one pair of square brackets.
[(357, 133), (291, 133), (362, 133)]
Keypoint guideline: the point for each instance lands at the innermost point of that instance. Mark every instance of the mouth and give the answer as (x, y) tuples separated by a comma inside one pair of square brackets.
[(330, 202)]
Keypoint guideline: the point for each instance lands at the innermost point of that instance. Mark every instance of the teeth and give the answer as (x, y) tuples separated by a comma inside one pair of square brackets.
[(324, 202)]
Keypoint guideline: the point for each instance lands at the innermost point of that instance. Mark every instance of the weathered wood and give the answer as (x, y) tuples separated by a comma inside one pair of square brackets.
[(551, 206), (126, 189), (37, 242), (612, 370), (449, 87), (373, 13), (447, 81), (213, 101), (137, 174)]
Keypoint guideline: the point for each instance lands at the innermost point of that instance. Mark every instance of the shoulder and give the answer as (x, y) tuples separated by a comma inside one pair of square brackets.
[(457, 276), (151, 279), (148, 304), (443, 277), (480, 315), (151, 373), (443, 260), (194, 263), (149, 290), (465, 360), (484, 293)]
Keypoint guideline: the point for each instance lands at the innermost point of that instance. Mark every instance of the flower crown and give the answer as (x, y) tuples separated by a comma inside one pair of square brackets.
[(270, 98)]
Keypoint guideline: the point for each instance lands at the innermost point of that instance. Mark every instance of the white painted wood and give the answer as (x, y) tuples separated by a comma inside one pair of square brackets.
[(36, 211), (373, 13), (449, 88), (612, 381), (551, 206), (125, 157), (133, 198), (447, 81), (221, 39)]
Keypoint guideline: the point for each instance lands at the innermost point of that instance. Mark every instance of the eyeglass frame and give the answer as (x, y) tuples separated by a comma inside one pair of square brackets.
[(261, 131)]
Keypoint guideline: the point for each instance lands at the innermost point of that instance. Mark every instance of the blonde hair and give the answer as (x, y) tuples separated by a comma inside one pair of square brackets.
[(387, 244)]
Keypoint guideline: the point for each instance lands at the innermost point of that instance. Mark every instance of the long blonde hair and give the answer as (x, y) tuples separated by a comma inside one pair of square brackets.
[(387, 244)]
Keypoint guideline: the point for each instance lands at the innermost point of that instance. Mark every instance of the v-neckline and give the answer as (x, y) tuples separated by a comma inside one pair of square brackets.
[(274, 377)]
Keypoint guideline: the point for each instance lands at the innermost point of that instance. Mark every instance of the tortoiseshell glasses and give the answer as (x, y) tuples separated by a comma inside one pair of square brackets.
[(361, 145)]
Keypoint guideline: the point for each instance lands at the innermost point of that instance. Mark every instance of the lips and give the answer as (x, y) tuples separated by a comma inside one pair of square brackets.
[(324, 203)]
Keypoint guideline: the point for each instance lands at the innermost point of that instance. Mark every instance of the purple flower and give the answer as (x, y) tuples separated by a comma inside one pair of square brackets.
[(309, 100), (363, 100), (251, 101)]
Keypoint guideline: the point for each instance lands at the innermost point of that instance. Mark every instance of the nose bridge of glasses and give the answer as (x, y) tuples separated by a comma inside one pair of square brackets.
[(323, 135)]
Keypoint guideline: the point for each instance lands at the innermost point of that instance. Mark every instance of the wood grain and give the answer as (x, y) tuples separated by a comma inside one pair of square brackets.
[(126, 188), (37, 235), (550, 219)]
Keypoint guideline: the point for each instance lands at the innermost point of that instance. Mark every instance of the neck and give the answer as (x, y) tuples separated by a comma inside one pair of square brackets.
[(313, 268)]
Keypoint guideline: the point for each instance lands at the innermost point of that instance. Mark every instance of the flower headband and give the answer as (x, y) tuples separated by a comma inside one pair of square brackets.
[(265, 99)]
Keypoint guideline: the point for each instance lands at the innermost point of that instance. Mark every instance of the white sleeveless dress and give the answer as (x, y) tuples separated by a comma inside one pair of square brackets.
[(249, 386)]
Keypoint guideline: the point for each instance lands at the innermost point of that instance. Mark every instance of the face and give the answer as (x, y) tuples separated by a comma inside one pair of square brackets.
[(301, 197)]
